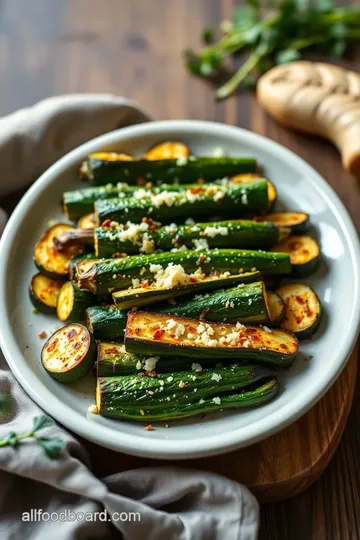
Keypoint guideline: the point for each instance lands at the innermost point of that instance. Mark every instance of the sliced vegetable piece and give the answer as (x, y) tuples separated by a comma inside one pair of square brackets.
[(88, 221), (106, 322), (168, 150), (304, 254), (172, 269), (48, 259), (113, 359), (146, 398), (244, 303), (276, 308), (142, 296), (44, 292), (158, 335), (69, 354), (72, 303), (302, 309), (230, 200), (102, 157), (271, 189), (90, 257), (110, 170), (297, 222)]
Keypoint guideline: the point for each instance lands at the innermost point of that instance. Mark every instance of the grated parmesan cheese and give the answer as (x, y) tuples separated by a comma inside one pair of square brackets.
[(216, 377), (181, 161), (196, 367), (150, 364), (200, 243), (216, 400), (214, 231)]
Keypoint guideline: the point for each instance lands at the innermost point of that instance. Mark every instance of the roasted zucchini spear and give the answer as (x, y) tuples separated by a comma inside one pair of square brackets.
[(159, 335), (184, 394), (172, 269), (113, 360), (100, 169), (147, 237), (143, 296), (231, 200)]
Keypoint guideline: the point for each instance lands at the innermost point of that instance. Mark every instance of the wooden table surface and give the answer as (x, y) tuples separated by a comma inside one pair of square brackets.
[(133, 48)]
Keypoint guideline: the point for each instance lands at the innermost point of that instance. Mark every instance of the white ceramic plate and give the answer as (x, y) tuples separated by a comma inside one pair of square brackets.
[(337, 283)]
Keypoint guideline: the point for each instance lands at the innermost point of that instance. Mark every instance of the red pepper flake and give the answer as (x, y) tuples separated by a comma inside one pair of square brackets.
[(193, 280), (42, 335), (145, 283), (76, 345), (149, 428), (283, 346), (196, 189), (159, 334), (200, 260), (258, 219), (150, 222), (52, 345), (120, 276), (204, 313), (106, 223), (299, 300), (119, 255), (111, 350), (140, 181)]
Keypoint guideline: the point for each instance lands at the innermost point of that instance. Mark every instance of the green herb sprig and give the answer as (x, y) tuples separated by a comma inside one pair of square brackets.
[(274, 32), (52, 446)]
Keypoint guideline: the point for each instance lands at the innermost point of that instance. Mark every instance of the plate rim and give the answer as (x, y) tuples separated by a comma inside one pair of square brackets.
[(176, 448)]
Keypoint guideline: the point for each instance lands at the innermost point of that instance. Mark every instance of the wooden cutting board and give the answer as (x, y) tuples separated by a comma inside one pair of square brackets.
[(277, 468)]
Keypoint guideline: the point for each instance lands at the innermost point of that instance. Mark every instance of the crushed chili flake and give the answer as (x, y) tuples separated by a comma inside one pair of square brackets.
[(119, 255), (149, 428), (140, 181), (42, 335), (200, 260), (193, 279), (106, 223), (159, 334), (204, 313), (120, 276), (145, 283), (196, 189)]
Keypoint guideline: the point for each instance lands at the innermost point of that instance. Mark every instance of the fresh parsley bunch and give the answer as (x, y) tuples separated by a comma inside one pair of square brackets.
[(274, 33)]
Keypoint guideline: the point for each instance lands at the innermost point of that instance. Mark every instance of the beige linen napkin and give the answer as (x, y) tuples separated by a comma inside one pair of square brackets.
[(167, 503)]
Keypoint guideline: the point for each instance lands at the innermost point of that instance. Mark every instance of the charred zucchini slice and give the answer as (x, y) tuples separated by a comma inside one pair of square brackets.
[(168, 150), (160, 335), (302, 309), (48, 259), (73, 303), (69, 354), (44, 292), (276, 308), (271, 189), (297, 222), (304, 254), (88, 221), (142, 296)]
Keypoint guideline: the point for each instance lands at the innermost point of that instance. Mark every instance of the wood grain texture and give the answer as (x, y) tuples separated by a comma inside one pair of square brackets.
[(134, 48)]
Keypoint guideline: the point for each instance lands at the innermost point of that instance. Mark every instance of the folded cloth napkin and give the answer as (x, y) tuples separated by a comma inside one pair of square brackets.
[(158, 503)]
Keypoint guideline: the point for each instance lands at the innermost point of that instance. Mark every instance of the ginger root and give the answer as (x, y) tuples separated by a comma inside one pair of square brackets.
[(317, 98)]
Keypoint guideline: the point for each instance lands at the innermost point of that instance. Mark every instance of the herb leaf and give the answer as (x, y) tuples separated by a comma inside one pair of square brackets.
[(41, 422), (52, 447)]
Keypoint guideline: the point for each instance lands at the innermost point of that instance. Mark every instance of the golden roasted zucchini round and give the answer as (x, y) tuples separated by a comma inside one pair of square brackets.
[(168, 150), (69, 353), (302, 309), (48, 259), (44, 292), (304, 254)]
